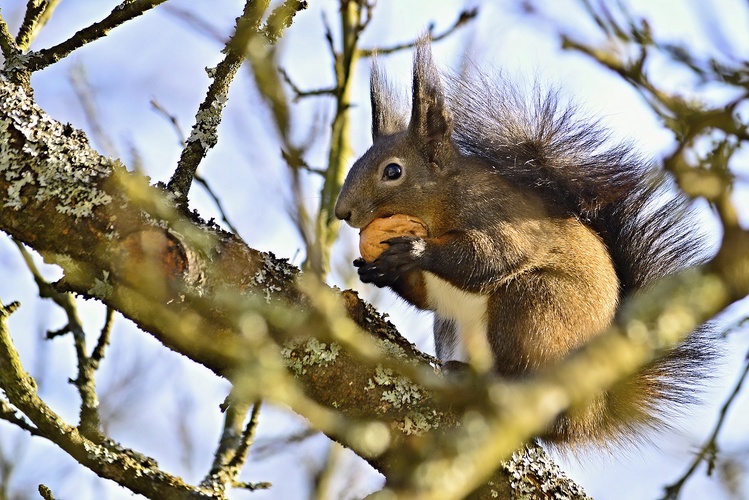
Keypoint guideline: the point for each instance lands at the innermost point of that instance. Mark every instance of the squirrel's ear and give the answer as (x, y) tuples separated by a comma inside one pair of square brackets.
[(431, 121), (386, 119)]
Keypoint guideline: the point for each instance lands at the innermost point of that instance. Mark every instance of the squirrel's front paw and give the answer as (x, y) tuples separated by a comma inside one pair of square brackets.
[(400, 257)]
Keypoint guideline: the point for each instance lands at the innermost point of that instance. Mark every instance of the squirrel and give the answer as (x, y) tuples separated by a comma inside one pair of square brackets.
[(538, 229)]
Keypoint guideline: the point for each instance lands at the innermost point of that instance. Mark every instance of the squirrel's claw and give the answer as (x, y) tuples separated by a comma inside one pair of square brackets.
[(399, 258)]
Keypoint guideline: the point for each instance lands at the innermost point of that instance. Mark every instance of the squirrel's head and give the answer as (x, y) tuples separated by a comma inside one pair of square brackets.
[(404, 170)]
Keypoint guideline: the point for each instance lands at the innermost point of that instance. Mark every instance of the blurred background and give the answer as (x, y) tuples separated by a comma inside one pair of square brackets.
[(122, 90)]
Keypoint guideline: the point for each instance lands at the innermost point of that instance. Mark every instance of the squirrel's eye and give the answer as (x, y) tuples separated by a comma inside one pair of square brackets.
[(392, 171)]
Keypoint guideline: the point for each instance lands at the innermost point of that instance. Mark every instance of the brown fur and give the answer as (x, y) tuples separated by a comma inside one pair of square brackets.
[(537, 230)]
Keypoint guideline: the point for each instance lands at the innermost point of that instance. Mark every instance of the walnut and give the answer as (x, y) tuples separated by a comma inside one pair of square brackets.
[(379, 230)]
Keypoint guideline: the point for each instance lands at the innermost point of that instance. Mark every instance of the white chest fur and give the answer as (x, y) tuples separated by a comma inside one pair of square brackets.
[(468, 311)]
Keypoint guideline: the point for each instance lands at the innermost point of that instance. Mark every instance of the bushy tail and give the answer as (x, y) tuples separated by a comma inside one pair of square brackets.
[(647, 227)]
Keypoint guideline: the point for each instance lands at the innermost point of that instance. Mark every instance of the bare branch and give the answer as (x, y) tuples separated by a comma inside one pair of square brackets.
[(300, 94), (171, 118), (85, 382), (124, 12), (65, 300), (219, 206), (463, 18), (196, 22), (7, 44), (234, 446), (108, 462), (8, 413), (198, 178), (86, 98), (281, 18), (98, 353), (38, 12), (45, 492), (709, 450), (204, 132)]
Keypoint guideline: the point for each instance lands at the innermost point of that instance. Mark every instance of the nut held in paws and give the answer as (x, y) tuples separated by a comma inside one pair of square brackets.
[(370, 238)]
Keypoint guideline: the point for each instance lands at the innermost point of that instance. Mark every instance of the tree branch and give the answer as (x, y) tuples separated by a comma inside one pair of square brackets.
[(124, 12), (37, 14), (709, 450), (84, 382), (234, 446), (204, 135), (463, 18), (7, 44), (9, 414), (108, 462), (198, 178)]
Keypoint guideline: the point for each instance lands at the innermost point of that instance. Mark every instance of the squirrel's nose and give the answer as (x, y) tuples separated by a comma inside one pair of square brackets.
[(342, 214)]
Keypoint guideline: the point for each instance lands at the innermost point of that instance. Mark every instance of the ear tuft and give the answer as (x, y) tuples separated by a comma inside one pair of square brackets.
[(386, 118), (431, 120)]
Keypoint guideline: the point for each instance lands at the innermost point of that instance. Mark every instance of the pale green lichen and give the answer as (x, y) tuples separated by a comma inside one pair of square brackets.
[(38, 151), (101, 289), (531, 464), (206, 123), (400, 391), (65, 261), (298, 356), (274, 266), (415, 423)]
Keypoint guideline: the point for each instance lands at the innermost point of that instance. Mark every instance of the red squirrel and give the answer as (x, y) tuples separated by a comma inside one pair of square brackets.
[(538, 229)]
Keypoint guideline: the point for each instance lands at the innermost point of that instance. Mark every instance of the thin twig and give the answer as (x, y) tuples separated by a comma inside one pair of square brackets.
[(248, 438), (8, 413), (233, 448), (140, 476), (463, 18), (172, 119), (234, 415), (85, 95), (709, 450), (198, 178), (124, 12), (295, 161), (38, 12), (281, 18), (65, 300), (98, 353), (300, 94), (7, 44), (45, 492), (204, 134), (84, 381), (324, 476), (219, 206), (196, 22), (271, 447), (253, 486)]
